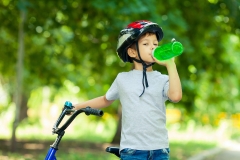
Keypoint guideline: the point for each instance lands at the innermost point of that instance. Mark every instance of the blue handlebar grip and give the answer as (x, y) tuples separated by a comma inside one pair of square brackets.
[(68, 105)]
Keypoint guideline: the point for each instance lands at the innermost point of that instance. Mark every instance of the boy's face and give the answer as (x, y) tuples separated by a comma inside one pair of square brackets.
[(147, 43)]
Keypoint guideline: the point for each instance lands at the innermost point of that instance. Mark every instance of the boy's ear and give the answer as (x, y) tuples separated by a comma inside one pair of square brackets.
[(132, 53)]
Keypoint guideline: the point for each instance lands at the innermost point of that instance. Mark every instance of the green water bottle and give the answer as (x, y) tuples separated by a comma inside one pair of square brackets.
[(168, 50)]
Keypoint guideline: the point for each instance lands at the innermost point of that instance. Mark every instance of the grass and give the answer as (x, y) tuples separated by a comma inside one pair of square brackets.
[(235, 134), (179, 150), (60, 156), (68, 149)]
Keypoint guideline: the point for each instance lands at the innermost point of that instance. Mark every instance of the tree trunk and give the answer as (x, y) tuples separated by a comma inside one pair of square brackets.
[(19, 78), (23, 106), (117, 136)]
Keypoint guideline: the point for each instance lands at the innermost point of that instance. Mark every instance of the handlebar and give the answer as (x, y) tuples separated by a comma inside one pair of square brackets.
[(69, 108)]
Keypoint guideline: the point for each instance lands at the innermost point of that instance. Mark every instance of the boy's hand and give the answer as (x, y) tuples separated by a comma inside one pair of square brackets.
[(165, 63)]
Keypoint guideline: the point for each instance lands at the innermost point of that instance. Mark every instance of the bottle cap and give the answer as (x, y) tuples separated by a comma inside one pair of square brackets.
[(173, 40)]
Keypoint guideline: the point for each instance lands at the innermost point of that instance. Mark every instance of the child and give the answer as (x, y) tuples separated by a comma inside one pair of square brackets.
[(142, 93)]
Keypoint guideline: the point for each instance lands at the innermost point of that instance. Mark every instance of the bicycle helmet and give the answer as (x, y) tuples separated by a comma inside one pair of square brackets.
[(132, 33)]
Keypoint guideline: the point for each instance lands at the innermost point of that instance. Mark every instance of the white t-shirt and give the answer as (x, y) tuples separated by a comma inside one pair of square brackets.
[(143, 118)]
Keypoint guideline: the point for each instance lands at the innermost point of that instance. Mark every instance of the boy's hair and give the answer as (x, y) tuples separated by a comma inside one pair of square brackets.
[(133, 46)]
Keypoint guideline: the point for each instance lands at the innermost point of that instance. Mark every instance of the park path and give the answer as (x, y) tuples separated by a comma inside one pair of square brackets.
[(231, 151), (228, 151), (228, 154)]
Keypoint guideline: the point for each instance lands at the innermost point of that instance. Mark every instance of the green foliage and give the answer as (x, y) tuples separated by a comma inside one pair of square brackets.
[(70, 40)]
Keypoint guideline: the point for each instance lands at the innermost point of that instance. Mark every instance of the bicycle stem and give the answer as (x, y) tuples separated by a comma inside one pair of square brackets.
[(61, 131), (57, 141)]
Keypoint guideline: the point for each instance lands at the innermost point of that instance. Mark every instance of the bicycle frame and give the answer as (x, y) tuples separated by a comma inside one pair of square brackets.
[(61, 131)]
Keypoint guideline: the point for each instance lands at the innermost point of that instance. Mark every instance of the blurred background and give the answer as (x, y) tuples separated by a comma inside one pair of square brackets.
[(65, 50)]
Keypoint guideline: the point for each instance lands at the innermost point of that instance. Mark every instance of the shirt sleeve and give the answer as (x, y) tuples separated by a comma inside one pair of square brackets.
[(113, 91)]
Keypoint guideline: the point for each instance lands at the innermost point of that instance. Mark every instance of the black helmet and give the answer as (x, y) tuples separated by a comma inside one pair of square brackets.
[(132, 33)]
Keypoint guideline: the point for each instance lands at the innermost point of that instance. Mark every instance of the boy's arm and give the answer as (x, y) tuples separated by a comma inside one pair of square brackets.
[(175, 88), (96, 103)]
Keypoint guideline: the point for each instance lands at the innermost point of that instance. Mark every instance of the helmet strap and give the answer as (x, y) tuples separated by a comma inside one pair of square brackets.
[(145, 66)]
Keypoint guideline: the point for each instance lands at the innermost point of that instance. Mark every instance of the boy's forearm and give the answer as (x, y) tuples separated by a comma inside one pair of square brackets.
[(97, 103), (175, 88)]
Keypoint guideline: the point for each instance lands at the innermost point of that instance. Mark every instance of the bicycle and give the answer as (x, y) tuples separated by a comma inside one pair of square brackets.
[(68, 108)]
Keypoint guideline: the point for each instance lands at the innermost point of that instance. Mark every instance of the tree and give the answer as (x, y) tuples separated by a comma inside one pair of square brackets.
[(76, 41)]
